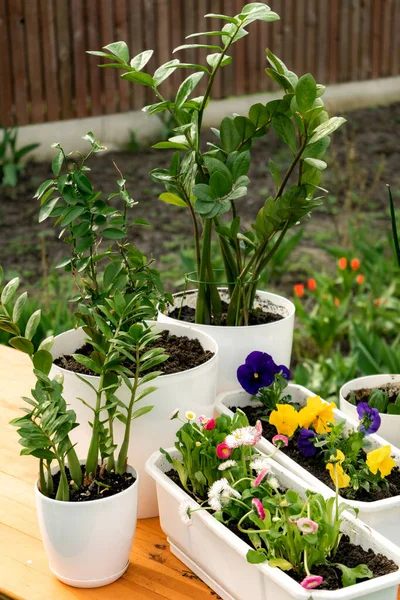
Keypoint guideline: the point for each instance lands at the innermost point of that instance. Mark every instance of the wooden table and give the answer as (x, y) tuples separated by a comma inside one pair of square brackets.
[(154, 573)]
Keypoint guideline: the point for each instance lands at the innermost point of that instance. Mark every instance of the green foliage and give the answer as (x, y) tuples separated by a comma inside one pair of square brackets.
[(209, 183), (10, 157)]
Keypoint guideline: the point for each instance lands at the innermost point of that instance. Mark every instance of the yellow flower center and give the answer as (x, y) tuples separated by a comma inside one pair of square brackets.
[(255, 375)]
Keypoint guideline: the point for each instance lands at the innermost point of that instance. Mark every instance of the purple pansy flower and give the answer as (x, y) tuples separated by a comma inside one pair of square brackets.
[(257, 372), (305, 442), (370, 419), (284, 371)]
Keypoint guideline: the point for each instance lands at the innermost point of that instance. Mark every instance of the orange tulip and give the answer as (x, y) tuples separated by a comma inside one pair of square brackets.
[(355, 264), (360, 278), (342, 263), (336, 302), (299, 290), (312, 285)]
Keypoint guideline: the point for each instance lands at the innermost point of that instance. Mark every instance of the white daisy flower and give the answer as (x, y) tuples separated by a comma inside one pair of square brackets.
[(220, 493), (190, 415), (273, 482), (243, 436), (185, 511), (259, 463), (228, 464)]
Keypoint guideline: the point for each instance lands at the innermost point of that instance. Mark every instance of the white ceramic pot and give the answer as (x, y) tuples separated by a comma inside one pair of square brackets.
[(194, 389), (235, 343), (382, 515), (390, 424), (88, 543), (218, 556)]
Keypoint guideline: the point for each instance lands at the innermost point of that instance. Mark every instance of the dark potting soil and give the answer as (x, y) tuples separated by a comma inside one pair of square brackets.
[(105, 484), (392, 389), (184, 354), (259, 316), (348, 554), (317, 468)]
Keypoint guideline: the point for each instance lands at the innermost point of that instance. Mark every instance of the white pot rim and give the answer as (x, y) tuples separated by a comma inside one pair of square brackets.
[(374, 506), (242, 547), (88, 505), (164, 375), (276, 298), (379, 378)]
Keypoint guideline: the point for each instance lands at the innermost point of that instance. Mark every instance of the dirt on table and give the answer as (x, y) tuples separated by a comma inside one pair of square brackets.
[(183, 354), (315, 466), (365, 148)]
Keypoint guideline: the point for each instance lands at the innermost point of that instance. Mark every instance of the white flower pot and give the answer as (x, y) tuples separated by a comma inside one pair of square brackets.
[(193, 389), (88, 543), (390, 424), (235, 343), (382, 515), (218, 556)]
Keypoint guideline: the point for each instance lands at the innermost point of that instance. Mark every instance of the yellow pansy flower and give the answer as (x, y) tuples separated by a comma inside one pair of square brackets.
[(318, 414), (380, 460), (285, 418), (342, 478)]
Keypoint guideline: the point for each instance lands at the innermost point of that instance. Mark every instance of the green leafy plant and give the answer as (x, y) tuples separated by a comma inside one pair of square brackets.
[(10, 157), (209, 183), (118, 292)]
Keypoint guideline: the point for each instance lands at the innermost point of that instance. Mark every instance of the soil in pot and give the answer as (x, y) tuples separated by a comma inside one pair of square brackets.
[(348, 554), (105, 484), (392, 389), (260, 316), (184, 354), (316, 467)]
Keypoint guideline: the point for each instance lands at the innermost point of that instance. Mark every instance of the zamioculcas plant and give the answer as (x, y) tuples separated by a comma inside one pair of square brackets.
[(118, 292), (211, 182)]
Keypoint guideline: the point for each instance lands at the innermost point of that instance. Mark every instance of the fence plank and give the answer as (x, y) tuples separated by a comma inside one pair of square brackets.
[(395, 54), (18, 60), (354, 40), (386, 40), (6, 99), (34, 56), (344, 41), (94, 43), (64, 58), (333, 40), (240, 65), (376, 36), (121, 33), (80, 58), (109, 76), (136, 45), (365, 61)]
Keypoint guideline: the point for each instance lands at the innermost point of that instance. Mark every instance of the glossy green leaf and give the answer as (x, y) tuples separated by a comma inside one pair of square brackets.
[(172, 199), (42, 361), (9, 290), (112, 233), (139, 77), (118, 49), (141, 60), (186, 88), (32, 324), (163, 72), (57, 162), (22, 344), (306, 93), (285, 130), (326, 129)]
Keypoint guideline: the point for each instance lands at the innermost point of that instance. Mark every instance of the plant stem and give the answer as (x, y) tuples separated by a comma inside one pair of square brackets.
[(93, 452), (290, 169), (123, 453), (202, 307), (74, 465)]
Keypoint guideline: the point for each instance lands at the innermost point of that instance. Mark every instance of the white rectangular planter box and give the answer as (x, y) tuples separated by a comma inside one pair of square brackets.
[(218, 556), (382, 515)]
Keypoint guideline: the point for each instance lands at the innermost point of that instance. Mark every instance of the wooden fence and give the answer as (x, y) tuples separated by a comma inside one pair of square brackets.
[(45, 74)]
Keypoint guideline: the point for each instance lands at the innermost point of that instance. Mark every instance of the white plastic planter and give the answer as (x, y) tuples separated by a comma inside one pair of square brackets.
[(235, 343), (390, 424), (382, 515), (218, 556), (88, 543), (194, 389)]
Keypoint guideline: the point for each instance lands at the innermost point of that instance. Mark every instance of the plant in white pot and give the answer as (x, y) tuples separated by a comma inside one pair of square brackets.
[(210, 183), (251, 529), (118, 288), (87, 509), (369, 467), (381, 392)]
